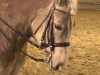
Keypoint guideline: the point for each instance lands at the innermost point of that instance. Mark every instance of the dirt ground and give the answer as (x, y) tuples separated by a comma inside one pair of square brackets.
[(84, 58)]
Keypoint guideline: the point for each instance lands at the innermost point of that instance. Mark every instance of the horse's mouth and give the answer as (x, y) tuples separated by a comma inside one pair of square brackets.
[(57, 68)]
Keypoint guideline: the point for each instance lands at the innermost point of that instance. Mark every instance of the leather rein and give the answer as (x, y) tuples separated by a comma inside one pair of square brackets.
[(48, 32)]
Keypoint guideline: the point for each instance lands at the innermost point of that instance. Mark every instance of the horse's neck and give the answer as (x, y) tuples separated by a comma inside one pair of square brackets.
[(9, 40), (18, 11), (9, 46)]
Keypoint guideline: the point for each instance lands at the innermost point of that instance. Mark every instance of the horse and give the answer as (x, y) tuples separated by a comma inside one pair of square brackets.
[(48, 21)]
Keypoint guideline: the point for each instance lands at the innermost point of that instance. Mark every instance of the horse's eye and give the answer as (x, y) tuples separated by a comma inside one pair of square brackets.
[(59, 27)]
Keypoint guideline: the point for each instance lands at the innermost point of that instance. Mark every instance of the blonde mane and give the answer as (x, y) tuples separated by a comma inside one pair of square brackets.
[(73, 5)]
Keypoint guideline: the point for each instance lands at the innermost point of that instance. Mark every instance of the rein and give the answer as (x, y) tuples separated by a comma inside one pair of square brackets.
[(48, 31)]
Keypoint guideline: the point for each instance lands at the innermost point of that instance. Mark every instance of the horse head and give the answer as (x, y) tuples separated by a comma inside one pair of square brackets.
[(53, 34)]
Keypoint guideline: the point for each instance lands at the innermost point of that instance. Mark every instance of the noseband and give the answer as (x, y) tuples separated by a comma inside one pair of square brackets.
[(47, 33)]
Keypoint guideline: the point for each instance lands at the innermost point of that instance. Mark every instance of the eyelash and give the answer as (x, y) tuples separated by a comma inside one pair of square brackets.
[(59, 27)]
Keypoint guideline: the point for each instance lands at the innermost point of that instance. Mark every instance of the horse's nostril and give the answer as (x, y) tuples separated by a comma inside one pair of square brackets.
[(58, 67)]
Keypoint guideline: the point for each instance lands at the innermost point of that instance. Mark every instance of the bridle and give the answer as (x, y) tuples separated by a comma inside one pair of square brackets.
[(47, 33)]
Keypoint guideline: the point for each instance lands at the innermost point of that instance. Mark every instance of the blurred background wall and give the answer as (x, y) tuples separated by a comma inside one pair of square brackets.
[(89, 4)]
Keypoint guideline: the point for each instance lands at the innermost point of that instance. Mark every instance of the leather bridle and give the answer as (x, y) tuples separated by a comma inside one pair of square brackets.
[(47, 33)]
